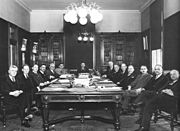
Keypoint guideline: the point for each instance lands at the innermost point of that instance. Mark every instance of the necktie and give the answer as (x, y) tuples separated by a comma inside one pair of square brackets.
[(13, 79)]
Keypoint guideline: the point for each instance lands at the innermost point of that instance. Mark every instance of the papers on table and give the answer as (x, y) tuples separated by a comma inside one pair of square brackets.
[(83, 75), (64, 76), (110, 89), (64, 81), (82, 82)]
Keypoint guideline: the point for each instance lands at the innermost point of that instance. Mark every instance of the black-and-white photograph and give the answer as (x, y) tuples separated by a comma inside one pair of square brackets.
[(89, 65)]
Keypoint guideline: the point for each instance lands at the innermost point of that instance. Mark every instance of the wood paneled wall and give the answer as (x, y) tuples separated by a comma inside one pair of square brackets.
[(3, 47), (172, 42)]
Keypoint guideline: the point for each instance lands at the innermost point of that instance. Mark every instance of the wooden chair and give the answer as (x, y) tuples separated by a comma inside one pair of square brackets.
[(170, 114)]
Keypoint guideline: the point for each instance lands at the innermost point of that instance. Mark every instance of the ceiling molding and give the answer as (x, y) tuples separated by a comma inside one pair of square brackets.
[(146, 5), (21, 3)]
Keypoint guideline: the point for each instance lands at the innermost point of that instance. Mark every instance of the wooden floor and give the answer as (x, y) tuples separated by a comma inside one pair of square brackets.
[(127, 123)]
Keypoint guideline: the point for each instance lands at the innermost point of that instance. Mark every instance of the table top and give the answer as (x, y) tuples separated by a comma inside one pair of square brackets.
[(96, 87)]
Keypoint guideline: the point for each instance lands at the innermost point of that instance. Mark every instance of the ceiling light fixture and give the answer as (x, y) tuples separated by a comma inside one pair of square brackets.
[(85, 37), (82, 12)]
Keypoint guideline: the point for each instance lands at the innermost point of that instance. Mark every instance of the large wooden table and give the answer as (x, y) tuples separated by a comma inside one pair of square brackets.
[(56, 94)]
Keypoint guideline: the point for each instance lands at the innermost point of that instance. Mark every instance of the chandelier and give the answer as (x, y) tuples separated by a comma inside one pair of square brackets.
[(82, 12), (85, 36)]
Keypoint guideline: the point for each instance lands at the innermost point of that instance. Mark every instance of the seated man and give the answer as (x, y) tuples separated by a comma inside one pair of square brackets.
[(168, 94), (51, 74), (61, 70), (82, 69), (131, 76), (37, 79), (109, 71), (14, 95), (42, 72), (153, 86), (136, 86), (28, 88), (116, 74), (123, 71)]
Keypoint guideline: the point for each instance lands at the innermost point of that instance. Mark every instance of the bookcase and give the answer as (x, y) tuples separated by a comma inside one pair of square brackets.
[(50, 48), (119, 48)]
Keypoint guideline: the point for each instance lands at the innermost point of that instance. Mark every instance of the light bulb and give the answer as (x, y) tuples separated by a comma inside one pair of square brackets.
[(85, 38), (79, 38), (91, 38), (82, 12), (73, 20), (83, 20)]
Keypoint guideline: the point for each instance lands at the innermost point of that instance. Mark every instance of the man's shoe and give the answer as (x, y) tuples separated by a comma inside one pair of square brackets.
[(25, 123)]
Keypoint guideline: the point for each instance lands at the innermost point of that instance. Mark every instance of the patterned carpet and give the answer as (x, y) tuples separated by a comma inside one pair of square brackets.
[(127, 123)]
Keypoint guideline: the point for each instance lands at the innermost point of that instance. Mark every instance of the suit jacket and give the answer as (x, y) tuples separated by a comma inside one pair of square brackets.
[(127, 80), (36, 78), (26, 84), (44, 76), (109, 72), (167, 102), (8, 86), (116, 76), (156, 84), (174, 87), (50, 73), (140, 81), (80, 70)]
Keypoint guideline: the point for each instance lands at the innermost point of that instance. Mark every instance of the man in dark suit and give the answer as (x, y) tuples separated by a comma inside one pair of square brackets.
[(42, 72), (51, 74), (131, 76), (167, 94), (109, 71), (116, 74), (28, 88), (82, 69), (135, 87), (14, 95), (123, 71), (151, 89)]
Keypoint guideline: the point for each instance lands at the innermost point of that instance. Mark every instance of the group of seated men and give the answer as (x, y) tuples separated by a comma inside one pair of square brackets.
[(19, 87), (150, 90)]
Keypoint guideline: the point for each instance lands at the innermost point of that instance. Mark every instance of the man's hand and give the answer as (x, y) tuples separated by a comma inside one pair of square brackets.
[(168, 91), (41, 84), (16, 93), (38, 88), (104, 76), (51, 77), (129, 87)]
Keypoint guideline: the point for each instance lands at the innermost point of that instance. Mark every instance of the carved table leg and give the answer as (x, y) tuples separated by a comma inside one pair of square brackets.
[(117, 116), (45, 113), (82, 116)]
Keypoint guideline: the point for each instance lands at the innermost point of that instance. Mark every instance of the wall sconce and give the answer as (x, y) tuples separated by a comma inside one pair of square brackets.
[(24, 43), (34, 50), (85, 36)]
